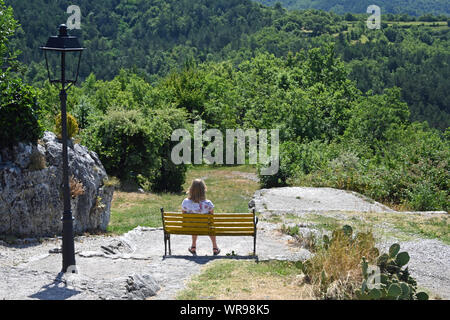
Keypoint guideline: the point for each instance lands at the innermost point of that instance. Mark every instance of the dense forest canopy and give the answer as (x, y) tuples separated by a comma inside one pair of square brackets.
[(411, 7), (153, 37), (343, 96)]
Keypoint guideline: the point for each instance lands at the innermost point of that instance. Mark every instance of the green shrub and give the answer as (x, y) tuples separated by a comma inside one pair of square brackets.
[(424, 196), (407, 166), (169, 177), (18, 113), (72, 126), (132, 146), (125, 144)]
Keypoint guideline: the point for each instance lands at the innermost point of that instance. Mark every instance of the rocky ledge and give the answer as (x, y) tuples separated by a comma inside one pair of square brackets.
[(31, 198)]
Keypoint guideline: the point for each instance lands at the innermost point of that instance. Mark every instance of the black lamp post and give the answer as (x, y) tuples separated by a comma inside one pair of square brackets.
[(65, 45)]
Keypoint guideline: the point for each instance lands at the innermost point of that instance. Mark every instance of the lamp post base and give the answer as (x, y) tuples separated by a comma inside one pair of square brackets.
[(68, 246)]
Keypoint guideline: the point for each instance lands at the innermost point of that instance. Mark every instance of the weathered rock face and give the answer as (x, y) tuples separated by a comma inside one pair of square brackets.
[(31, 197)]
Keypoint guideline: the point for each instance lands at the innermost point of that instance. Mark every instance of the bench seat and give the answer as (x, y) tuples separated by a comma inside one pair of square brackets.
[(217, 224)]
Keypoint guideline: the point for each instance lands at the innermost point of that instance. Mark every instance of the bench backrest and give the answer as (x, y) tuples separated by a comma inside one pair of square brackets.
[(218, 224)]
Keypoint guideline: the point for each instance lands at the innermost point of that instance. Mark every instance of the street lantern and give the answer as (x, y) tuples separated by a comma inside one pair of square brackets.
[(66, 46)]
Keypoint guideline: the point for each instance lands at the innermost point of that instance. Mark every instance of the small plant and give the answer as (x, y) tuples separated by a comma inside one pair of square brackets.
[(232, 254), (112, 182), (144, 183), (37, 161), (99, 205), (335, 268), (394, 282), (307, 241), (76, 187), (72, 126)]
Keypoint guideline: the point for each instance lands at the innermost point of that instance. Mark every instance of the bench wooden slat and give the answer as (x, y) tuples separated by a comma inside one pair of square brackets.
[(190, 229), (213, 225), (187, 219), (231, 234), (232, 215), (219, 229), (192, 215), (205, 221), (219, 215), (196, 233), (208, 233), (229, 224), (186, 224), (236, 219)]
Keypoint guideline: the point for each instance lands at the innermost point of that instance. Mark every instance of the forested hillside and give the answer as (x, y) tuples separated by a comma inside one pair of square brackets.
[(412, 7), (342, 95), (153, 37)]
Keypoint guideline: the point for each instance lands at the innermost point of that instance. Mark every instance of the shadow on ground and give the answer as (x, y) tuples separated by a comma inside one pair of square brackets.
[(57, 290), (206, 259)]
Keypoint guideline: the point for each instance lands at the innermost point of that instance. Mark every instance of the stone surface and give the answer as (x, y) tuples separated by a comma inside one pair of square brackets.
[(31, 199), (135, 269), (307, 200), (429, 257)]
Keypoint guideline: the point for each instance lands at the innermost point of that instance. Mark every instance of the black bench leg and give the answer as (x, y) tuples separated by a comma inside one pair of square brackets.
[(165, 245), (254, 245), (170, 251)]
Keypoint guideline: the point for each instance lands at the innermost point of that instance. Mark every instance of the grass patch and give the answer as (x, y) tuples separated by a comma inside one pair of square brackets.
[(228, 189), (248, 280), (385, 225), (335, 269), (431, 227)]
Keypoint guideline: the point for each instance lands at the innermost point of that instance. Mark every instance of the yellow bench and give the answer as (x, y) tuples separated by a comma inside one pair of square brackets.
[(217, 224)]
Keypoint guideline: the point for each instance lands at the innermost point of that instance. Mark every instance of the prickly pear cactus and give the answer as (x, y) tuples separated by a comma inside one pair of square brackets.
[(392, 281)]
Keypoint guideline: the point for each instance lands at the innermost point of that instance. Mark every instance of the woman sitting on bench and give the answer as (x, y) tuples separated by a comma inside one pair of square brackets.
[(196, 202)]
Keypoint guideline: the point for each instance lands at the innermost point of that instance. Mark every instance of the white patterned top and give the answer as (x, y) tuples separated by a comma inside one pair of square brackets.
[(190, 206)]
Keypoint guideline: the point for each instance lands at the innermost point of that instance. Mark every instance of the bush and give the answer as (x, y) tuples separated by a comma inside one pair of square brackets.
[(18, 113), (72, 126), (335, 268), (124, 143), (133, 147), (407, 165), (170, 177), (287, 158)]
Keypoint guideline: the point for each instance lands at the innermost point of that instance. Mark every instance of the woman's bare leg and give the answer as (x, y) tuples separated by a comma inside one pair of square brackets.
[(194, 241), (213, 240)]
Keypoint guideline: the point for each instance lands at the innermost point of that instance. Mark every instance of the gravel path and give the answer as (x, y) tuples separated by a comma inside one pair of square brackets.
[(128, 267), (132, 266), (430, 259)]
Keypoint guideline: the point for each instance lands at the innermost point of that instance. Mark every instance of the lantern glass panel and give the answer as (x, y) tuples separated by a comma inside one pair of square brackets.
[(72, 60)]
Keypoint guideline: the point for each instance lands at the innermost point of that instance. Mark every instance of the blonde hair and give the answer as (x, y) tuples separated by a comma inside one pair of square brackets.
[(197, 191)]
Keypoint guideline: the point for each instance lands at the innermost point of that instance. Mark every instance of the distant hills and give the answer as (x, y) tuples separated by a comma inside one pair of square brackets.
[(153, 38), (411, 7)]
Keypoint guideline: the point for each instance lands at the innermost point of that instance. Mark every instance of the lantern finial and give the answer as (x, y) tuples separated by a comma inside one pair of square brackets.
[(62, 30)]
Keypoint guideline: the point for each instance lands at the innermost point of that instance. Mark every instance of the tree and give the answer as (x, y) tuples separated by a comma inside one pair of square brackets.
[(8, 26), (374, 116), (18, 103)]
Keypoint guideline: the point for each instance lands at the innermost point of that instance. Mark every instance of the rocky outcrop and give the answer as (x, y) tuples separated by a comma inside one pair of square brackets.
[(31, 198)]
